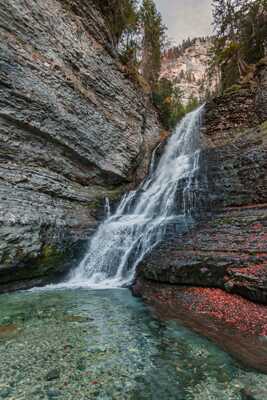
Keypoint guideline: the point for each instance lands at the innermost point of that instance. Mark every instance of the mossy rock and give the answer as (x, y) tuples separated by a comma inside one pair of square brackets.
[(93, 205), (264, 127), (49, 251), (50, 254), (112, 194), (115, 194), (51, 261), (232, 89)]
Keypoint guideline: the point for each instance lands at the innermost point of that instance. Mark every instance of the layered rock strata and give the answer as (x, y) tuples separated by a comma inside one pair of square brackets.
[(73, 130), (227, 248)]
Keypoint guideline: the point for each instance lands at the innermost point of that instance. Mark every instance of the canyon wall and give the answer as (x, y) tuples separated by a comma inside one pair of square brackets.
[(74, 129), (227, 248), (189, 70)]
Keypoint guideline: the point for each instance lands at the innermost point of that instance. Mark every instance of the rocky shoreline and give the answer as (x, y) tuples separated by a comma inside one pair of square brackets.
[(213, 277), (75, 130), (237, 325)]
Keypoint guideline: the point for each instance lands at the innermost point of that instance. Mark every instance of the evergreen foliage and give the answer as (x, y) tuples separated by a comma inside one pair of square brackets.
[(139, 37), (241, 35), (121, 17), (174, 52), (192, 104), (138, 34), (153, 41), (167, 98)]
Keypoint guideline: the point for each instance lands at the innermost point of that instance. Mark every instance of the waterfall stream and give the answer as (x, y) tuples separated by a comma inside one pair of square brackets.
[(142, 217)]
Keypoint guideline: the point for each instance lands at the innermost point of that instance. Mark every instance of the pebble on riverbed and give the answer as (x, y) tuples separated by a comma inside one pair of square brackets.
[(53, 374), (52, 393), (124, 353), (6, 330)]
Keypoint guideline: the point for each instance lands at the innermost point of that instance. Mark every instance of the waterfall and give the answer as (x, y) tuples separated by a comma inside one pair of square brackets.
[(143, 215)]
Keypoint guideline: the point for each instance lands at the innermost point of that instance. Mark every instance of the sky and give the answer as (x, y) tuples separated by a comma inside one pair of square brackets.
[(186, 18)]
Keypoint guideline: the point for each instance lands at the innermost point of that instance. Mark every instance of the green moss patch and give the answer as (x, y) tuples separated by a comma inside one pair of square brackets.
[(233, 89), (264, 127), (50, 257)]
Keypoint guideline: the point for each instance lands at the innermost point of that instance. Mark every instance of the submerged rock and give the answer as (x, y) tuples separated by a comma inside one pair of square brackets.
[(53, 374), (52, 393), (253, 394), (6, 330), (5, 392)]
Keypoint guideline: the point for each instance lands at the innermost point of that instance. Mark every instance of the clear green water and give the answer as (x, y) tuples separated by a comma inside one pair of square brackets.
[(82, 344)]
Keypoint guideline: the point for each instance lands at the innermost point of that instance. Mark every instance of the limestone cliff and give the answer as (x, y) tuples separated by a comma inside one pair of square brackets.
[(228, 247), (73, 130), (187, 67)]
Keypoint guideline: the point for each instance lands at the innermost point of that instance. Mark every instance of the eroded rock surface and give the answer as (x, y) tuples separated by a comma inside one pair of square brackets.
[(73, 130), (188, 69), (228, 247)]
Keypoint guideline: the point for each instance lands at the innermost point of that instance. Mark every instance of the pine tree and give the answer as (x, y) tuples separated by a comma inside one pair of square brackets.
[(153, 39), (120, 15), (241, 32), (168, 98)]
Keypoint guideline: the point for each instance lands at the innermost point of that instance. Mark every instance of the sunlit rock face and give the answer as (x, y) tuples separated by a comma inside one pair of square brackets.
[(228, 247), (73, 130), (189, 70)]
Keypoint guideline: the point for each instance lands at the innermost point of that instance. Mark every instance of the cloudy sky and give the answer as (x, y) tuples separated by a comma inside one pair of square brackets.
[(186, 18)]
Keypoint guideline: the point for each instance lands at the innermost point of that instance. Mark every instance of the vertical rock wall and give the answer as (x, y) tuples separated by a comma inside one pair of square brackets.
[(228, 246), (73, 130)]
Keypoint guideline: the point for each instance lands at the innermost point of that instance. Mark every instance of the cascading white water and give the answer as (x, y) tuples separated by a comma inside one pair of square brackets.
[(142, 216)]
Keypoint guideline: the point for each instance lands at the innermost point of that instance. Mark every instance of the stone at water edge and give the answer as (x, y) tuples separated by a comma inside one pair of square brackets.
[(253, 394), (5, 392)]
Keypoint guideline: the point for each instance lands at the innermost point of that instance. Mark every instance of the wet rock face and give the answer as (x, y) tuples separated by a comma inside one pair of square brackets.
[(226, 114), (228, 246), (226, 251), (261, 99), (242, 106), (73, 130)]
